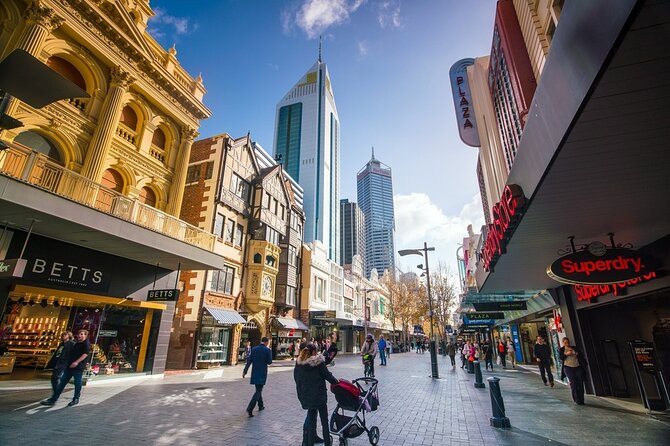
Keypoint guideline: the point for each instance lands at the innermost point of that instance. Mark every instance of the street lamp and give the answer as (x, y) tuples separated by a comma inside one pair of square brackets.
[(365, 309), (424, 251)]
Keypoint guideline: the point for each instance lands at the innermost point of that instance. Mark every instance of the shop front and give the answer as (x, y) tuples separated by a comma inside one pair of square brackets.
[(286, 332), (215, 338), (64, 287)]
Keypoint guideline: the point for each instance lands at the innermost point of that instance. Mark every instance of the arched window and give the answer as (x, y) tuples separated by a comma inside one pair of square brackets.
[(148, 196), (39, 143), (113, 180), (67, 70), (257, 258), (158, 139), (129, 117)]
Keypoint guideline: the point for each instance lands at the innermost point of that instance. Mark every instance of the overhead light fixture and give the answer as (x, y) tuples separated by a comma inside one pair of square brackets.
[(43, 304), (31, 302), (56, 304)]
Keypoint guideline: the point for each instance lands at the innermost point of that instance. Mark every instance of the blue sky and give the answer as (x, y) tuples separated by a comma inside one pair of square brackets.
[(389, 62)]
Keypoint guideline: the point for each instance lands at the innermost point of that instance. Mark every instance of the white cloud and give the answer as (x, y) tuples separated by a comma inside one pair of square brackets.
[(388, 14), (181, 25), (418, 219), (362, 48), (315, 16)]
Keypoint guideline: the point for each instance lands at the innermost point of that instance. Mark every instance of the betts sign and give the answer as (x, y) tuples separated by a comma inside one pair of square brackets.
[(506, 214), (613, 266)]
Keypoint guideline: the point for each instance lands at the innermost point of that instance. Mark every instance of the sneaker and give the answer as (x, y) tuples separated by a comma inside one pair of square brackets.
[(261, 408), (48, 402), (250, 414), (74, 402)]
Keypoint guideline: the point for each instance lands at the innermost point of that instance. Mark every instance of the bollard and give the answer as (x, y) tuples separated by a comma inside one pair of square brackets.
[(497, 405), (478, 376), (471, 366)]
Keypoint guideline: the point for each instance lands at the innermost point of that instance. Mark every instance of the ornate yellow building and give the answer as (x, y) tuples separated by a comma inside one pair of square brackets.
[(134, 134)]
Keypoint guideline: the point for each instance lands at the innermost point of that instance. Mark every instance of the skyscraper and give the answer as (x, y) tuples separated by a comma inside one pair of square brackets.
[(307, 143), (375, 198), (352, 232)]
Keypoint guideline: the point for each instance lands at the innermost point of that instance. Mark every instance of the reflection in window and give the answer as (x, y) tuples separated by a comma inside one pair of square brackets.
[(39, 144)]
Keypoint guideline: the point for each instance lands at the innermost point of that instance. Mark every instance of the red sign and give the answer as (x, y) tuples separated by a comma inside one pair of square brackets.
[(506, 214), (612, 267), (591, 292)]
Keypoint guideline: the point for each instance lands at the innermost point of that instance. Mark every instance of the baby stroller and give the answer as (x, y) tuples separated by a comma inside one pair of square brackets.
[(356, 396)]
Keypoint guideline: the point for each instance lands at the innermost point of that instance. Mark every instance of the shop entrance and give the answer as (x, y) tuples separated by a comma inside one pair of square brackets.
[(250, 332)]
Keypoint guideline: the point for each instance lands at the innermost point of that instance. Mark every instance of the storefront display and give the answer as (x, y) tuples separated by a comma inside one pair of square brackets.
[(213, 346)]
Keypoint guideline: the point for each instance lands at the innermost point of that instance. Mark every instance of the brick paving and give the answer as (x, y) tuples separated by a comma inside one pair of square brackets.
[(208, 409)]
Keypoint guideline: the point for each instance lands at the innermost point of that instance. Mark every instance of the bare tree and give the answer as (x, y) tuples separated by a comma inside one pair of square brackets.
[(444, 293), (407, 301)]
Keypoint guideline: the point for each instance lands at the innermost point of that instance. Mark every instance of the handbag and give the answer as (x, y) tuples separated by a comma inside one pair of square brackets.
[(498, 360)]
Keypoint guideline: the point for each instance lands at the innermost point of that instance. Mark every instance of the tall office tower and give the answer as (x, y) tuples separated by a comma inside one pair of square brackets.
[(352, 232), (375, 198), (307, 143)]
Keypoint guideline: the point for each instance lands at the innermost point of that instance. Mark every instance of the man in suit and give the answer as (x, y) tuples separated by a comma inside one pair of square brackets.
[(258, 360)]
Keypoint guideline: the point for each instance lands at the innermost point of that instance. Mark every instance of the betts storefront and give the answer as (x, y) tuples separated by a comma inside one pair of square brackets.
[(48, 287), (594, 227)]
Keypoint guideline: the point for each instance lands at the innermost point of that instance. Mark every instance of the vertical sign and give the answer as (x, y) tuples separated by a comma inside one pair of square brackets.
[(517, 343), (465, 114)]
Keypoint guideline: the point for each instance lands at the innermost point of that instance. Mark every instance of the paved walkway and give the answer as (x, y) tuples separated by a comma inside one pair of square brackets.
[(208, 408)]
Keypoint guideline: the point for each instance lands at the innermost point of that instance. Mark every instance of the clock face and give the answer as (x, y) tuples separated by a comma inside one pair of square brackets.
[(267, 285)]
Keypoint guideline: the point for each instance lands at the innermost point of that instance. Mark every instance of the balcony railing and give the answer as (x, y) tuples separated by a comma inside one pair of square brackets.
[(36, 169)]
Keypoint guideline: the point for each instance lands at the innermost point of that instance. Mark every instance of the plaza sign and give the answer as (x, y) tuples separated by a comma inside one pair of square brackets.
[(611, 267), (467, 124), (506, 216), (482, 316)]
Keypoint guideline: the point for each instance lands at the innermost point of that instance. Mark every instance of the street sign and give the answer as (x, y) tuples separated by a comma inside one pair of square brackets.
[(163, 295), (501, 306), (482, 316)]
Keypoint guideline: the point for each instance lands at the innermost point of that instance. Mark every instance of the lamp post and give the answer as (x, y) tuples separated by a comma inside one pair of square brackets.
[(365, 309), (433, 352)]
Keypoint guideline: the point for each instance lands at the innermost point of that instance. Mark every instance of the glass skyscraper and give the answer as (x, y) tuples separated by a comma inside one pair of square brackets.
[(307, 143), (375, 198)]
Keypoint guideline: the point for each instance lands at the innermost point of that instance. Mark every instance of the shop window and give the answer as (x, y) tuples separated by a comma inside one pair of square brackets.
[(129, 117), (67, 70), (158, 139), (147, 196), (39, 143), (213, 345)]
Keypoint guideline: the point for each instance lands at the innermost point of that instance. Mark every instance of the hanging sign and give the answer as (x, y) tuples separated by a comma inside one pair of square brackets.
[(506, 216), (501, 306), (482, 316), (465, 116), (163, 295), (612, 266), (470, 322)]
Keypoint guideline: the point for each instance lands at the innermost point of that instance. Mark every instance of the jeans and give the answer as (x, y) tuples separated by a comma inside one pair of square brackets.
[(489, 362), (382, 357), (56, 375), (576, 377), (546, 366), (257, 398), (502, 357), (309, 427), (64, 379)]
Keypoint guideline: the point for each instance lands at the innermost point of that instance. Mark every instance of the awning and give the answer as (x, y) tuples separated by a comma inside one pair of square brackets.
[(295, 324), (225, 317)]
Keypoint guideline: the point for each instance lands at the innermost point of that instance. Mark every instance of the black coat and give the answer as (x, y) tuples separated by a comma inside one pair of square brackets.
[(310, 381), (580, 357), (542, 352)]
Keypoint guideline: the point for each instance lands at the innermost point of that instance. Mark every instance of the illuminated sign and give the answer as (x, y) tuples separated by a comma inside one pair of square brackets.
[(465, 116), (611, 267), (506, 215), (500, 306), (592, 292), (481, 316)]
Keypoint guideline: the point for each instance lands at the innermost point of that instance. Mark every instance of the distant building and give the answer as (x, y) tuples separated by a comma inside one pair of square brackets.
[(375, 198), (352, 232), (307, 144)]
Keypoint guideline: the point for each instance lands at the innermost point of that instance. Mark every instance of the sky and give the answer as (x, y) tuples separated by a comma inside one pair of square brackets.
[(389, 64)]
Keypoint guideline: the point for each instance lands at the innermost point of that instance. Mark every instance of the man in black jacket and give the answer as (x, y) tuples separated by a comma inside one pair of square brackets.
[(75, 359), (543, 357)]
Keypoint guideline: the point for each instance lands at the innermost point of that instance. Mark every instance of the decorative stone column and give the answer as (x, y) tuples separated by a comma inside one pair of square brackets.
[(108, 121), (40, 22), (173, 207)]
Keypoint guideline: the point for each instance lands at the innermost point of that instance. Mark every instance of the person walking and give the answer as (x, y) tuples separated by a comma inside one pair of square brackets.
[(259, 359), (543, 357), (488, 354), (574, 364), (502, 352), (389, 349), (419, 345), (247, 350), (296, 348), (451, 351), (310, 375), (511, 352), (370, 349), (381, 345), (74, 359), (302, 345), (57, 362), (331, 352)]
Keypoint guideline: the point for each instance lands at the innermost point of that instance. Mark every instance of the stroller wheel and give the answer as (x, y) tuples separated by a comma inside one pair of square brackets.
[(374, 435), (343, 442)]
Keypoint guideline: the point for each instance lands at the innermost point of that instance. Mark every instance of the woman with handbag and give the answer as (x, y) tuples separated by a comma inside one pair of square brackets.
[(574, 364)]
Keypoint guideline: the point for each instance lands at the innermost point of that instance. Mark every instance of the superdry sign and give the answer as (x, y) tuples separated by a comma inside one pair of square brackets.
[(506, 214), (614, 266)]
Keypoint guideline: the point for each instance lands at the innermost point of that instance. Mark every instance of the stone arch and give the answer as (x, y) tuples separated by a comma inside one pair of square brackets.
[(171, 133), (129, 180), (63, 142), (11, 16), (155, 188)]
